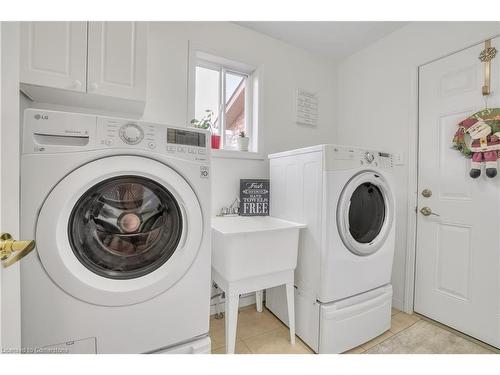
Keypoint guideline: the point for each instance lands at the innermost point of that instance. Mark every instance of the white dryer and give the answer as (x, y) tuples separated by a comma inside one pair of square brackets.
[(345, 195), (120, 211)]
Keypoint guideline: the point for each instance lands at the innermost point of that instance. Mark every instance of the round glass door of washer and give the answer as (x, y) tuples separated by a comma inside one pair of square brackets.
[(119, 230), (125, 227)]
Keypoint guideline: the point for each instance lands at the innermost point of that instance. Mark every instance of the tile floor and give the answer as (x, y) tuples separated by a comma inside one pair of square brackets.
[(258, 333), (263, 333)]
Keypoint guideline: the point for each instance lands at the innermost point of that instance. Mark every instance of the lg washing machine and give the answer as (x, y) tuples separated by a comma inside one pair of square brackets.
[(120, 211)]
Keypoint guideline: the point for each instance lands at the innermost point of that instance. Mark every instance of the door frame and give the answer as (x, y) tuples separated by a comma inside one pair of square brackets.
[(412, 185), (10, 323), (1, 149)]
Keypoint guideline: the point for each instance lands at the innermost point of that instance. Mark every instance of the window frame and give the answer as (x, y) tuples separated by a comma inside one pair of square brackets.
[(198, 58)]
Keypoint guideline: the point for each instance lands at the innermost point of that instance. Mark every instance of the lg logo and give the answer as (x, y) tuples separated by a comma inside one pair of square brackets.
[(41, 117)]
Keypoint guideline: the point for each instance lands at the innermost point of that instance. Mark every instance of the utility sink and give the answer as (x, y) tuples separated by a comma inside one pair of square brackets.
[(250, 254), (251, 246)]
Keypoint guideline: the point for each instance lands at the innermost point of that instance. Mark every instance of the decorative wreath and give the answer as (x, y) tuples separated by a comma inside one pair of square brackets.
[(463, 143), (460, 144)]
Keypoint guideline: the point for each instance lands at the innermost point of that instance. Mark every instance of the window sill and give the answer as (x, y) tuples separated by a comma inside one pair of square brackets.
[(235, 154)]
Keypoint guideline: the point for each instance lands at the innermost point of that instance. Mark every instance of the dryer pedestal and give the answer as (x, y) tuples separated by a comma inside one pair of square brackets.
[(335, 327), (350, 322)]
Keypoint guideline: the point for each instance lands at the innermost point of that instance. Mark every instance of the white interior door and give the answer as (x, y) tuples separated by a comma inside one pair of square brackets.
[(10, 305), (457, 259)]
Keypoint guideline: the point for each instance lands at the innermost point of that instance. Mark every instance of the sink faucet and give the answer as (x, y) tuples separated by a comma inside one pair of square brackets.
[(232, 209)]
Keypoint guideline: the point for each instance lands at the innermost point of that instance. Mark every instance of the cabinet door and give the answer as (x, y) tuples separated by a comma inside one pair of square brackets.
[(117, 59), (54, 54)]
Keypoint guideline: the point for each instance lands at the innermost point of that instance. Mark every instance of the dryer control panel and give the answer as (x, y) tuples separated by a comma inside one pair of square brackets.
[(344, 157), (374, 158), (386, 160)]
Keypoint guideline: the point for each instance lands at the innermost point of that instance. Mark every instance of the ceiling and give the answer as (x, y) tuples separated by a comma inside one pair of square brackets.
[(332, 39)]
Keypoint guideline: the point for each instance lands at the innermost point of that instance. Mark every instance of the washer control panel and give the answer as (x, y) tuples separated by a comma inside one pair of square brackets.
[(47, 131), (183, 143), (131, 134), (369, 157)]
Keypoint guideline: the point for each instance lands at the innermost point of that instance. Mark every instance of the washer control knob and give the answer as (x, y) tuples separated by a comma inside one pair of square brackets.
[(131, 134), (369, 157)]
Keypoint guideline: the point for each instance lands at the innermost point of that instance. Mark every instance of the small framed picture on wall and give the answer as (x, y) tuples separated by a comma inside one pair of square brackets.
[(254, 197)]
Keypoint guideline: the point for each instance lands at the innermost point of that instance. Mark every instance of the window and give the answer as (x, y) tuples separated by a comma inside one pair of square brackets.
[(223, 91)]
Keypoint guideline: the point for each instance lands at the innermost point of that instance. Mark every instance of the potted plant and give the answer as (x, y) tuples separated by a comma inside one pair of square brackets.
[(206, 122), (243, 141)]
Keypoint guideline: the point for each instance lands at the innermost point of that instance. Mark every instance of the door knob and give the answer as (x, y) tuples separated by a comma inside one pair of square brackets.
[(11, 250), (426, 193), (426, 211)]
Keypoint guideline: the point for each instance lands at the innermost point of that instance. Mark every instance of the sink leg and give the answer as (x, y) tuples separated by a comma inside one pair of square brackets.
[(232, 302), (290, 292), (218, 313), (258, 300)]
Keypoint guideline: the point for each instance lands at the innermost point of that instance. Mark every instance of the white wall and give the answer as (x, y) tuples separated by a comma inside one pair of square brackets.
[(377, 101), (282, 69)]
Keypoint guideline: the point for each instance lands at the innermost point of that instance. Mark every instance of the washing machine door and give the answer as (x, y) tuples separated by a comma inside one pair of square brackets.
[(119, 230), (365, 212)]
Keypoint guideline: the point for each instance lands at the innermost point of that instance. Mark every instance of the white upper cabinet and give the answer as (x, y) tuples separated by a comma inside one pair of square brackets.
[(54, 54), (117, 59), (105, 59)]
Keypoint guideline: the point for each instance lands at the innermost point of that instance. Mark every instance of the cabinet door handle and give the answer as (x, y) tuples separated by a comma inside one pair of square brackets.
[(77, 84), (94, 86)]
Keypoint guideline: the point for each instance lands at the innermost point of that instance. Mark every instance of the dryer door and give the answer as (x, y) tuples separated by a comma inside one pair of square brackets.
[(365, 213), (119, 230)]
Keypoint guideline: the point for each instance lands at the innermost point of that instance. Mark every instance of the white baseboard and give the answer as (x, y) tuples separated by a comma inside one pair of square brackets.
[(245, 300), (397, 304)]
